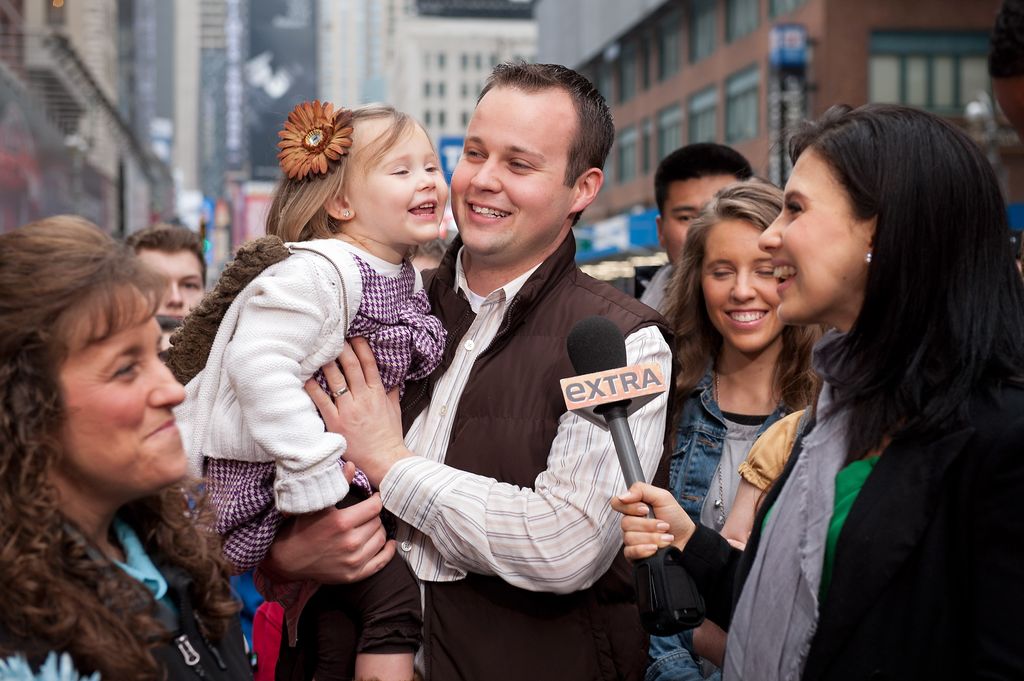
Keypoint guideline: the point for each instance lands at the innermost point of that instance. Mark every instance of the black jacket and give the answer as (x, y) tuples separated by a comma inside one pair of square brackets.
[(508, 415), (189, 655), (928, 580)]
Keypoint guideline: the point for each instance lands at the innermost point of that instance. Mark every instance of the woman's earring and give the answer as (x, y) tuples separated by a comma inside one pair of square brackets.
[(346, 214), (867, 258)]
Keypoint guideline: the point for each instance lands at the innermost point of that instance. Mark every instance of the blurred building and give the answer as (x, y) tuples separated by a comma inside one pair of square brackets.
[(356, 39), (211, 130), (738, 72), (72, 96), (147, 188), (444, 51)]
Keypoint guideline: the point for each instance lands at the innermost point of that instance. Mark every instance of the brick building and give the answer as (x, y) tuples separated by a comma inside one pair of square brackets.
[(683, 71)]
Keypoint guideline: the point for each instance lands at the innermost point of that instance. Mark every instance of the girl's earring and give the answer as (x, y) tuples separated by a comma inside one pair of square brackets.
[(867, 258), (346, 214)]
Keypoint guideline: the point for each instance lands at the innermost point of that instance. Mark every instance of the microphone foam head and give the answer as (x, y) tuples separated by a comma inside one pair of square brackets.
[(596, 344)]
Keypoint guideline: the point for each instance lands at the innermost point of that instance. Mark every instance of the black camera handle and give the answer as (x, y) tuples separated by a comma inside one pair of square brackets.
[(666, 595)]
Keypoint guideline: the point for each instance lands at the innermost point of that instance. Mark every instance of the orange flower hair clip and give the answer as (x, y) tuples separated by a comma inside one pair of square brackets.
[(313, 135)]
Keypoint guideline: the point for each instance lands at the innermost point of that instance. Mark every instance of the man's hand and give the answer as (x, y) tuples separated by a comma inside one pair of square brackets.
[(331, 546), (369, 418)]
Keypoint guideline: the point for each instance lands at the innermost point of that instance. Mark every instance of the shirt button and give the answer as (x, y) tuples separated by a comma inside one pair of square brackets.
[(469, 345), (407, 546), (443, 409)]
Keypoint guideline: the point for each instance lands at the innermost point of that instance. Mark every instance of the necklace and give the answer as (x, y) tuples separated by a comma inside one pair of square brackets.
[(720, 501)]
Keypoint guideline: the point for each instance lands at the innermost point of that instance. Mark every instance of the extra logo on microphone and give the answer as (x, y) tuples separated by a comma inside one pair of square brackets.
[(640, 384)]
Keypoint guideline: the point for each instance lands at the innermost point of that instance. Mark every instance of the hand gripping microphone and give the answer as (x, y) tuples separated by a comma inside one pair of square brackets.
[(605, 393)]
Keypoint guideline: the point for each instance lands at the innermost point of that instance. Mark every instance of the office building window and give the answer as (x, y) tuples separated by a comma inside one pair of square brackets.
[(440, 89), (440, 119), (494, 59), (626, 160), (778, 7), (465, 119), (426, 88), (627, 73), (670, 130), (645, 63), (465, 61), (741, 105), (669, 30), (702, 29), (464, 90), (940, 71), (440, 60), (645, 146), (701, 108), (741, 18), (479, 61), (426, 118)]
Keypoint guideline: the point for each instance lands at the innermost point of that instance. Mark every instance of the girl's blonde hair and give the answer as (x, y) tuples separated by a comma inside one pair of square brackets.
[(757, 203), (298, 211)]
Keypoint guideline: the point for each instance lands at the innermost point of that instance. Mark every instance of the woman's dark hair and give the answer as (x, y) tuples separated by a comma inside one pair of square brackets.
[(943, 308)]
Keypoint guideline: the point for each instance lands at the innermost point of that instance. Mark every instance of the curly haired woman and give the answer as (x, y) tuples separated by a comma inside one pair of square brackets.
[(103, 551)]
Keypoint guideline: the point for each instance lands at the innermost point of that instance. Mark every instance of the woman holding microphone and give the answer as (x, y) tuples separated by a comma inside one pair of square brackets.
[(894, 532)]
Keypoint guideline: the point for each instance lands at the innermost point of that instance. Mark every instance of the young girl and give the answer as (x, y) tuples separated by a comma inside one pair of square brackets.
[(362, 188), (741, 371)]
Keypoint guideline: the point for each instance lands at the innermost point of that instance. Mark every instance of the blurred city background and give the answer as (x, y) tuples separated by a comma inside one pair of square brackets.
[(132, 112)]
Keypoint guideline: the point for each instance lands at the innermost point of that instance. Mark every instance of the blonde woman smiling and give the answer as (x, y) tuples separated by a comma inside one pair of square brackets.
[(741, 370)]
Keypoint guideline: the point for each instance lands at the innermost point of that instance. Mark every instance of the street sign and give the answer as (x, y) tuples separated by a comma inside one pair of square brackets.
[(788, 46), (450, 151)]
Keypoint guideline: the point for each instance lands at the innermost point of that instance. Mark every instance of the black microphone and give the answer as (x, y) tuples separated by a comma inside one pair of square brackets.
[(596, 345), (667, 598)]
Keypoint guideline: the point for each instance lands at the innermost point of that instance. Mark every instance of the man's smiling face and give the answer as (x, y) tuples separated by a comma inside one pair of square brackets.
[(510, 199)]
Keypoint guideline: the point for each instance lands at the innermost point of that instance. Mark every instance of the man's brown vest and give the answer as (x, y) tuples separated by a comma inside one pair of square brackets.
[(482, 628)]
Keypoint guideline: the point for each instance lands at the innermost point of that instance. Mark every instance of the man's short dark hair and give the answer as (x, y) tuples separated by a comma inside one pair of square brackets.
[(694, 161), (1006, 53), (595, 130), (168, 239)]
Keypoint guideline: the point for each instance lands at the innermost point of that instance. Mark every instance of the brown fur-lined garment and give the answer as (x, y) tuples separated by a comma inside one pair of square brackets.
[(190, 344)]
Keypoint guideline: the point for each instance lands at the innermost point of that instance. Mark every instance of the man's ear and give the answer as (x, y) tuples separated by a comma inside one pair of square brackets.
[(661, 233), (586, 188), (340, 209)]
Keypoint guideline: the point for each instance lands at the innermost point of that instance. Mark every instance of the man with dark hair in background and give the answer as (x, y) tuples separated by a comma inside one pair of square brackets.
[(1006, 61), (684, 182), (177, 253), (1006, 67)]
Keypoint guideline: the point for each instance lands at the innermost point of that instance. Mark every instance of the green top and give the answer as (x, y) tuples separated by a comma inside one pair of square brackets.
[(849, 481)]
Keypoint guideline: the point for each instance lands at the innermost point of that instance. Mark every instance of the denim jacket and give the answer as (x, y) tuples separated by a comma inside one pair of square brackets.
[(700, 436)]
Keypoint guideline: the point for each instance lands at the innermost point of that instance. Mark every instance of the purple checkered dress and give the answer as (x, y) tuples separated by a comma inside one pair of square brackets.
[(407, 343)]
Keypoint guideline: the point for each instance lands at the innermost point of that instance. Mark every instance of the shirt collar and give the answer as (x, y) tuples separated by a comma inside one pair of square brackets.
[(136, 562), (502, 294)]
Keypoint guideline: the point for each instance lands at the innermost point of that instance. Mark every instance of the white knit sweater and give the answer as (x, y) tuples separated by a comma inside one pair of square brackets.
[(248, 403)]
